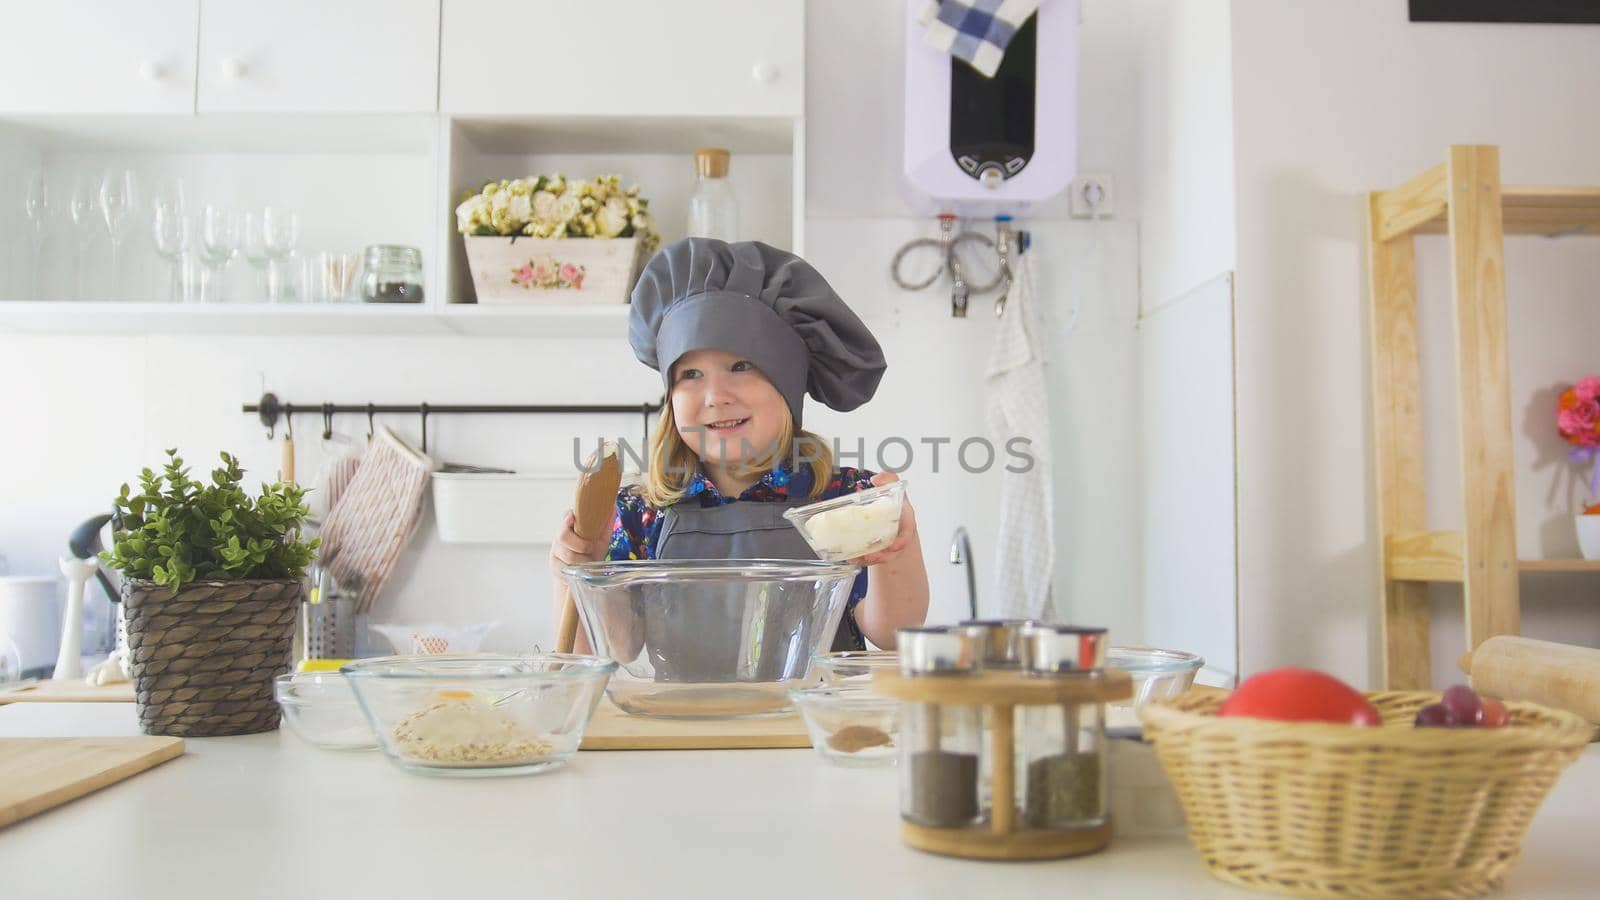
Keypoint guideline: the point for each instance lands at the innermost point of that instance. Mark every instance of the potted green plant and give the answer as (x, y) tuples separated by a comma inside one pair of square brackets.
[(551, 239), (211, 593)]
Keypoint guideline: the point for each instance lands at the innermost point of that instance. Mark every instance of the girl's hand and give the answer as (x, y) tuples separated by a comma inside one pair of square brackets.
[(570, 549), (903, 538)]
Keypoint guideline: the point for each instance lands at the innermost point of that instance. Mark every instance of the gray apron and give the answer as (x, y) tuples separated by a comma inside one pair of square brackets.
[(744, 529)]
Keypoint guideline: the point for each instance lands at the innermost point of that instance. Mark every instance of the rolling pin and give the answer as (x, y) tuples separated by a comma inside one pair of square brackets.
[(1560, 676), (594, 505)]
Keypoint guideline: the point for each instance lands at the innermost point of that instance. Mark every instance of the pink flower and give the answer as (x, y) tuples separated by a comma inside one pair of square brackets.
[(577, 281), (1586, 414), (522, 275), (568, 272), (1587, 388)]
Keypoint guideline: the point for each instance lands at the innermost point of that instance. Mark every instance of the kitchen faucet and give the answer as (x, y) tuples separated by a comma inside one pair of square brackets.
[(961, 554)]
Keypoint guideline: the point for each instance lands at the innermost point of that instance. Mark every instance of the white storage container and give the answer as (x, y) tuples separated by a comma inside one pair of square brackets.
[(500, 508)]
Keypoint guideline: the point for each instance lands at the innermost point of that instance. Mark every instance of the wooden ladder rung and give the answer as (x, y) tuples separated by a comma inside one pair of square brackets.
[(1426, 556)]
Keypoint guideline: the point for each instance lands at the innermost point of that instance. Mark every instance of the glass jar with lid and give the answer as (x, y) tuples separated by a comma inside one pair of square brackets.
[(941, 744), (391, 274), (1062, 783)]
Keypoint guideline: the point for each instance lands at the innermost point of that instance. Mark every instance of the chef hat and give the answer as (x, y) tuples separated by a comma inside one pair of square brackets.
[(764, 304)]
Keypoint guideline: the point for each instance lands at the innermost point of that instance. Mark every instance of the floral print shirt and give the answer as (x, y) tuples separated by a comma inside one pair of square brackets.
[(637, 527)]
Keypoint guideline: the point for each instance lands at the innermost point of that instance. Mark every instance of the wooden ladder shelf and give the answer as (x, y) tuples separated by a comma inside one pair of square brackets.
[(1463, 199)]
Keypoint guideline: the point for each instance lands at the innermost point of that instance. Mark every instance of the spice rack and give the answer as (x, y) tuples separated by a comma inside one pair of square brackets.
[(1005, 835)]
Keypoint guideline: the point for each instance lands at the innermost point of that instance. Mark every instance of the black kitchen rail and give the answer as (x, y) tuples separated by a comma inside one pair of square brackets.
[(269, 409)]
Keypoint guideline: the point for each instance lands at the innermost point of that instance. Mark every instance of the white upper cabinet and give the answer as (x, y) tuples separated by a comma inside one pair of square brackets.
[(623, 57), (376, 56), (97, 56)]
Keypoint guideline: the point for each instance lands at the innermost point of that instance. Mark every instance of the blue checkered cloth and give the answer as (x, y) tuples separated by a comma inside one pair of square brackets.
[(976, 30)]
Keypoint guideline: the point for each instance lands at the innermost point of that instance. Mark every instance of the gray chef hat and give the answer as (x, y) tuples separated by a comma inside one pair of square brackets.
[(764, 304)]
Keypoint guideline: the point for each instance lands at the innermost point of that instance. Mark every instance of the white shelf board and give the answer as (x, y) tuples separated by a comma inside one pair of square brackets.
[(608, 321), (140, 318), (286, 133), (672, 135)]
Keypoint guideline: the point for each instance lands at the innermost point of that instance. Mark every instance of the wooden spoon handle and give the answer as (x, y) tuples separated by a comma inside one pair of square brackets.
[(594, 505)]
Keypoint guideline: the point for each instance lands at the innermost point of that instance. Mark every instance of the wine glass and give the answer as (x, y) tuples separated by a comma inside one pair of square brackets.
[(171, 231), (119, 195), (82, 209), (36, 206), (254, 247), (219, 241), (280, 231)]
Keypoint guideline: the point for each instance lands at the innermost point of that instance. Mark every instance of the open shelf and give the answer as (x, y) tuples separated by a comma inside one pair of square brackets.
[(654, 152)]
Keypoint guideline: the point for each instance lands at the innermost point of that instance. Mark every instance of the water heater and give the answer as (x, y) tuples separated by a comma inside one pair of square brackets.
[(982, 146)]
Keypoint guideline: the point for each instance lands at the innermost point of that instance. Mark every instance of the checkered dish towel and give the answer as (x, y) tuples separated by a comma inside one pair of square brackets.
[(374, 517), (977, 31), (1025, 555)]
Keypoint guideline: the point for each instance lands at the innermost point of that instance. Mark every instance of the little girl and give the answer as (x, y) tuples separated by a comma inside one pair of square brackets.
[(740, 333)]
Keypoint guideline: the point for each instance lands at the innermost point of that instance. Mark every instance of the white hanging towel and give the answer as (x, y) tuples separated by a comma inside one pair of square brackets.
[(1026, 551), (374, 517)]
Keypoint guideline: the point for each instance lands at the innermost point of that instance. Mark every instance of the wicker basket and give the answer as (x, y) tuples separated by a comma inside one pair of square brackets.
[(203, 659), (1331, 810)]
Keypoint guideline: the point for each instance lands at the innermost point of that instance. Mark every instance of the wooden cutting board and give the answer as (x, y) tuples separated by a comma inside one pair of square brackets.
[(37, 774), (612, 729), (74, 690)]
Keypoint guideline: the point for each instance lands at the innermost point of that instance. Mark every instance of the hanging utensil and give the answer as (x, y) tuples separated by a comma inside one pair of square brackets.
[(286, 465), (594, 505)]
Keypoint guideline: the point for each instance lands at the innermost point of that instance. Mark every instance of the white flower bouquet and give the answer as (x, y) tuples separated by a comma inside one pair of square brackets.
[(510, 229)]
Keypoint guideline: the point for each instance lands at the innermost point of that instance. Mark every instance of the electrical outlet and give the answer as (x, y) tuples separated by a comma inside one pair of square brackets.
[(1093, 196)]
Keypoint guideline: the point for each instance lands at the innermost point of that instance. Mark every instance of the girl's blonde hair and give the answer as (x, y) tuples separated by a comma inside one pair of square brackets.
[(673, 463)]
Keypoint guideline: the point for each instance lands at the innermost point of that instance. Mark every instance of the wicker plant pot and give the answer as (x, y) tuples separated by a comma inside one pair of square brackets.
[(203, 659)]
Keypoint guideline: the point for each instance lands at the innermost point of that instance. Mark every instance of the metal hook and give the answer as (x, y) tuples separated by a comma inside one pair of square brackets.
[(267, 412), (424, 410), (1002, 249), (369, 422), (288, 421), (327, 421)]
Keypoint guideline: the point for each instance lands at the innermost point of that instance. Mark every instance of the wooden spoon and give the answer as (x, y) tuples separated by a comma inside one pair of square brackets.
[(594, 506)]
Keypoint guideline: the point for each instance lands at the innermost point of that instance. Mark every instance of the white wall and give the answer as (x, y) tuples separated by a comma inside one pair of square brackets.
[(1332, 100), (1187, 221), (85, 413)]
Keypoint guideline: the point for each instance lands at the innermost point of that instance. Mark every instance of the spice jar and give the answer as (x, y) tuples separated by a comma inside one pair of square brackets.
[(391, 274), (1062, 783), (940, 744)]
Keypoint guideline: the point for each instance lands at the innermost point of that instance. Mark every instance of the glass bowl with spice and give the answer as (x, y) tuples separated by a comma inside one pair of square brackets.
[(849, 724), (479, 714)]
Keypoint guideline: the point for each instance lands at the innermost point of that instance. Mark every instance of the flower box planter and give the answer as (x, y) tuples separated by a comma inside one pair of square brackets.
[(526, 270)]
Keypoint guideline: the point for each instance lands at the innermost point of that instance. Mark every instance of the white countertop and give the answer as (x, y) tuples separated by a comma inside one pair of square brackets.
[(269, 816)]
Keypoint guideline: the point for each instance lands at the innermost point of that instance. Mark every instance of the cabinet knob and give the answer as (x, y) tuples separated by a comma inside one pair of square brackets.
[(151, 70), (766, 73), (233, 67)]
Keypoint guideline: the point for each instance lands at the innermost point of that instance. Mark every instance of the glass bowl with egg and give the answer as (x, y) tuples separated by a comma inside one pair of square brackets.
[(854, 525)]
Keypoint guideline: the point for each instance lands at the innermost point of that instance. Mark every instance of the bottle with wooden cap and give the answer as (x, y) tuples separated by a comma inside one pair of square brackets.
[(713, 211)]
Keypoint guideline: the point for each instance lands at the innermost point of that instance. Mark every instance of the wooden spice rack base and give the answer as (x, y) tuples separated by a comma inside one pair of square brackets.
[(980, 842)]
